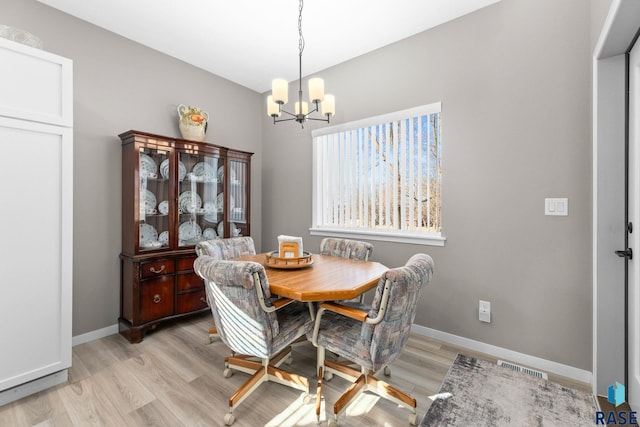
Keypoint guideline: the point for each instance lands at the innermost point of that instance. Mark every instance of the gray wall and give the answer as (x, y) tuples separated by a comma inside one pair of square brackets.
[(515, 81), (121, 85)]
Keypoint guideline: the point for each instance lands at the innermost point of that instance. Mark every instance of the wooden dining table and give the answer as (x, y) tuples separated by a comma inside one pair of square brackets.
[(328, 278)]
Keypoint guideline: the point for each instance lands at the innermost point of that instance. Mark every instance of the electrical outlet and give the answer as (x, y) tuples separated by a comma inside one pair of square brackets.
[(484, 311)]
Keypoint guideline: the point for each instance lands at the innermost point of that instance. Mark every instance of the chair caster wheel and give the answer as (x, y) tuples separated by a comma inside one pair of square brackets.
[(387, 371), (306, 399), (413, 419), (327, 376), (229, 419), (227, 374)]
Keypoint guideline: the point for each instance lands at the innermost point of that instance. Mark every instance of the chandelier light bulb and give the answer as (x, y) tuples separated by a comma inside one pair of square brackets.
[(280, 91), (305, 108), (316, 89), (273, 109), (329, 105)]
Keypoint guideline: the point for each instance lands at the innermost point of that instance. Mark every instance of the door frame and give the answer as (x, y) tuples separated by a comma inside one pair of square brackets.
[(631, 295), (609, 139)]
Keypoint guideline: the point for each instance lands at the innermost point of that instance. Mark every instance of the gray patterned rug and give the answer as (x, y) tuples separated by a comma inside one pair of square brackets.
[(479, 393)]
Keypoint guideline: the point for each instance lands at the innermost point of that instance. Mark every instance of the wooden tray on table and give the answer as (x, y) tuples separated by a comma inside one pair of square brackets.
[(273, 260)]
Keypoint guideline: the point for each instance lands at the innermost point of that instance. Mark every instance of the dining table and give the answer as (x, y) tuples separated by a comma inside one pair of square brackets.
[(325, 278)]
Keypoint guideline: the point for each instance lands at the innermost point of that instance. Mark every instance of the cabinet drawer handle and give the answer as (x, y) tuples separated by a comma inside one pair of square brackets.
[(203, 299), (153, 270), (157, 298)]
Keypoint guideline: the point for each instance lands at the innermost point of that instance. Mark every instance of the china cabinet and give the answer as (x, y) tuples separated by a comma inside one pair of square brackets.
[(175, 193), (36, 136)]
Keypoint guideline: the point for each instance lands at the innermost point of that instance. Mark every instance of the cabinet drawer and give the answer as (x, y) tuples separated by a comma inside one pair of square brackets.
[(156, 268), (186, 264), (191, 301), (156, 298), (189, 281)]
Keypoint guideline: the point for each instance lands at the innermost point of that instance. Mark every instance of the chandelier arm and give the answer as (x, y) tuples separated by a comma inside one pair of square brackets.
[(315, 109), (286, 112)]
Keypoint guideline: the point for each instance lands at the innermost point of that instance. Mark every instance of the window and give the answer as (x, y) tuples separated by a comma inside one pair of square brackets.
[(380, 178)]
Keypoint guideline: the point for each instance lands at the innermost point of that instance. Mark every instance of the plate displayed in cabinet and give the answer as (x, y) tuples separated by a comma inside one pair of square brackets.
[(209, 234), (164, 238), (163, 207), (189, 230), (148, 199), (221, 230), (148, 166), (204, 172), (220, 202), (164, 169), (210, 212), (189, 201), (148, 235), (221, 174)]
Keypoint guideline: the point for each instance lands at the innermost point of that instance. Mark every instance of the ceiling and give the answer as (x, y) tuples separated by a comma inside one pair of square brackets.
[(251, 42)]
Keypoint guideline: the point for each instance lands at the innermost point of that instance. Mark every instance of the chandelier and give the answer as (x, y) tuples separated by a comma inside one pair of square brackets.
[(324, 104)]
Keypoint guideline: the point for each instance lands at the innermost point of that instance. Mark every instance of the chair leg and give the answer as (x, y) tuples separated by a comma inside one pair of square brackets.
[(319, 393), (249, 386), (365, 381), (354, 390), (213, 334), (389, 392), (265, 372), (250, 364)]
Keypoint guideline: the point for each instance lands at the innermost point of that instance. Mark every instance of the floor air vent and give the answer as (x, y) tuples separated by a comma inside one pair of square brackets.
[(517, 368)]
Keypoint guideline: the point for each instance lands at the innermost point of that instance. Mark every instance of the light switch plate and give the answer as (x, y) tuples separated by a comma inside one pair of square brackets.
[(556, 206)]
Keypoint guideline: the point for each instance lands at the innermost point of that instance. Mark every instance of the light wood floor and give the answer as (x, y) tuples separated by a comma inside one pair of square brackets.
[(174, 378)]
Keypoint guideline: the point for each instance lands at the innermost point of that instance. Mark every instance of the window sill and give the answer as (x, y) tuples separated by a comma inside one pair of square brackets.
[(415, 239)]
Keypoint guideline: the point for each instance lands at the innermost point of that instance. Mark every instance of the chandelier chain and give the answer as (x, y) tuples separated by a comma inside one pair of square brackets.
[(301, 41)]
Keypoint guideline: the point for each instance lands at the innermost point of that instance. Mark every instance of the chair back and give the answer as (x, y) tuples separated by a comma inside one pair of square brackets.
[(345, 248), (241, 322), (387, 338), (233, 247)]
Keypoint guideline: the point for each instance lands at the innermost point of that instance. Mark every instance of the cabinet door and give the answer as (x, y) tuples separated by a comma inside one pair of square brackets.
[(239, 197), (35, 85), (154, 199), (36, 246), (200, 206)]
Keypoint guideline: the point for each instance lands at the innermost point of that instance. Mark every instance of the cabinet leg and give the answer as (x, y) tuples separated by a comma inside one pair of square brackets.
[(134, 334)]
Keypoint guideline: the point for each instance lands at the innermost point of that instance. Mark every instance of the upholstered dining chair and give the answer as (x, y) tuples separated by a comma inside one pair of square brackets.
[(346, 248), (371, 339), (252, 325), (233, 247)]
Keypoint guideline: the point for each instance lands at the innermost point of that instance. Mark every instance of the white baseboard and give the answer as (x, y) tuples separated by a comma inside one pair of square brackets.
[(31, 387), (510, 355), (94, 335)]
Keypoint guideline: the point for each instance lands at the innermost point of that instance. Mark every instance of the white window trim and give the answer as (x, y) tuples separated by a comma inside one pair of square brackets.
[(431, 239)]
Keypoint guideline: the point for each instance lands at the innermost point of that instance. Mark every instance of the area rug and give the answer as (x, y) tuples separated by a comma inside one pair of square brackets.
[(479, 393)]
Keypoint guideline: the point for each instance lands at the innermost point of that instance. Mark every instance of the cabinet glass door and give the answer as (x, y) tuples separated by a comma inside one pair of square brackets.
[(200, 199), (238, 184), (154, 199)]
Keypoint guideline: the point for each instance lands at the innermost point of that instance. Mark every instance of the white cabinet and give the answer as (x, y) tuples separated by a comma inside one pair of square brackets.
[(36, 219)]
